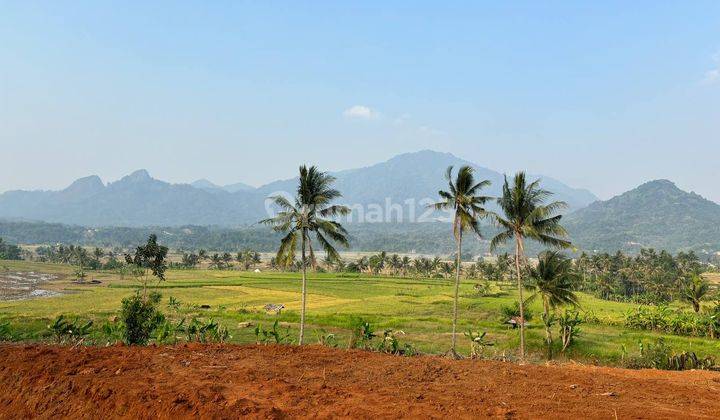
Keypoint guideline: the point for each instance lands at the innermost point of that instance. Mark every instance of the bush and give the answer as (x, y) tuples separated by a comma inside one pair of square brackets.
[(326, 338), (275, 335), (569, 322), (362, 335), (69, 331), (661, 318), (390, 344), (140, 317), (113, 332), (477, 343), (5, 331), (207, 332), (513, 311), (660, 356)]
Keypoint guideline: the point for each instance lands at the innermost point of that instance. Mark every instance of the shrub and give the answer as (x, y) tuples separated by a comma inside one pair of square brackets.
[(569, 322), (362, 335), (660, 356), (113, 332), (477, 343), (208, 332), (275, 335), (325, 338), (662, 318), (173, 303), (140, 317), (513, 311), (5, 331), (390, 343), (69, 331)]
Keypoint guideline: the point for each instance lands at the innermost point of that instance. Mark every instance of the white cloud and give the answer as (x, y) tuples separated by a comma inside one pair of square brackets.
[(361, 112)]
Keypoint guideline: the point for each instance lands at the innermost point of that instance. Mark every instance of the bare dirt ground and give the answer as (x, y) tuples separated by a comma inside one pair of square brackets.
[(227, 381)]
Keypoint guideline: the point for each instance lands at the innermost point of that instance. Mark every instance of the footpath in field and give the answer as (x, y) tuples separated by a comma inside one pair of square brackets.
[(221, 381)]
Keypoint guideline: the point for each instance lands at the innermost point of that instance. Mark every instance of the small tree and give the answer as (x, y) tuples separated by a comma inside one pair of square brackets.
[(695, 290), (140, 317), (148, 262), (552, 281), (139, 312)]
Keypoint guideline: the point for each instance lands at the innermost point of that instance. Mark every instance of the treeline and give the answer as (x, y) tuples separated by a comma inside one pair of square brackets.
[(422, 238), (9, 251), (650, 277)]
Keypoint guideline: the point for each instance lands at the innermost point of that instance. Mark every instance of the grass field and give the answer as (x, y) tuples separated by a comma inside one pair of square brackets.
[(419, 307)]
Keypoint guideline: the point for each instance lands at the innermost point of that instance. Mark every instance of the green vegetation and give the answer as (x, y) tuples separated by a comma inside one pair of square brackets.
[(461, 198), (526, 216), (656, 214), (9, 252), (552, 280), (650, 277), (311, 214), (416, 306)]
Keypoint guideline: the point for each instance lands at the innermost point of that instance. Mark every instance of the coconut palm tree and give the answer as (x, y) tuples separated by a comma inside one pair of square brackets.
[(695, 290), (395, 262), (463, 199), (552, 281), (311, 213), (525, 215)]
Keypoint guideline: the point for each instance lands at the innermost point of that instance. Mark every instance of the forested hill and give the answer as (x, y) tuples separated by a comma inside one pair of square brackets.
[(654, 215), (424, 238)]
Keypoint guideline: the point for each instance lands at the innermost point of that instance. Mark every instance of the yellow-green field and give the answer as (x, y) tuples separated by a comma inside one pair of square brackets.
[(419, 307)]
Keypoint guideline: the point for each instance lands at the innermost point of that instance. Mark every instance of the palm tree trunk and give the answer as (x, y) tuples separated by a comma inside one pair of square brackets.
[(304, 291), (548, 333), (518, 253), (457, 292)]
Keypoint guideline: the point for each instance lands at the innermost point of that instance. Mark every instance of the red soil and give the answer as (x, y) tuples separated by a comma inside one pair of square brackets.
[(221, 381)]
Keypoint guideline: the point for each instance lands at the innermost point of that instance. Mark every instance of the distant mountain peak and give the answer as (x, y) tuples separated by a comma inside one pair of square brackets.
[(86, 185), (425, 154), (205, 184), (139, 175), (656, 214), (140, 200), (659, 183)]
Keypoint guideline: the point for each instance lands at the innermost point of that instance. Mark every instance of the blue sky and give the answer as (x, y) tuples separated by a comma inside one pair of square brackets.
[(603, 96)]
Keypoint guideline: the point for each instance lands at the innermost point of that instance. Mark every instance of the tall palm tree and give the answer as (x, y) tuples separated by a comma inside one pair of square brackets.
[(311, 213), (405, 264), (463, 199), (525, 215), (395, 263), (552, 280)]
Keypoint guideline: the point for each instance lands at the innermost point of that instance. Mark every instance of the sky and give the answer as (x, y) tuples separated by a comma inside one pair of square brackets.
[(600, 95)]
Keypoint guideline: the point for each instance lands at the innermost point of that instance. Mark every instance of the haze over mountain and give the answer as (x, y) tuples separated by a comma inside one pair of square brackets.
[(656, 214), (204, 184), (140, 200)]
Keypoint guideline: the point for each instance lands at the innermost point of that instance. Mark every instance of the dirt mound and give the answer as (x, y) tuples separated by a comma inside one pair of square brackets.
[(220, 381)]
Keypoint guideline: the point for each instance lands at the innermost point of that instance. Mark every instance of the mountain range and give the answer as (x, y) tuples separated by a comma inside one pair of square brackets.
[(656, 214), (140, 200)]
